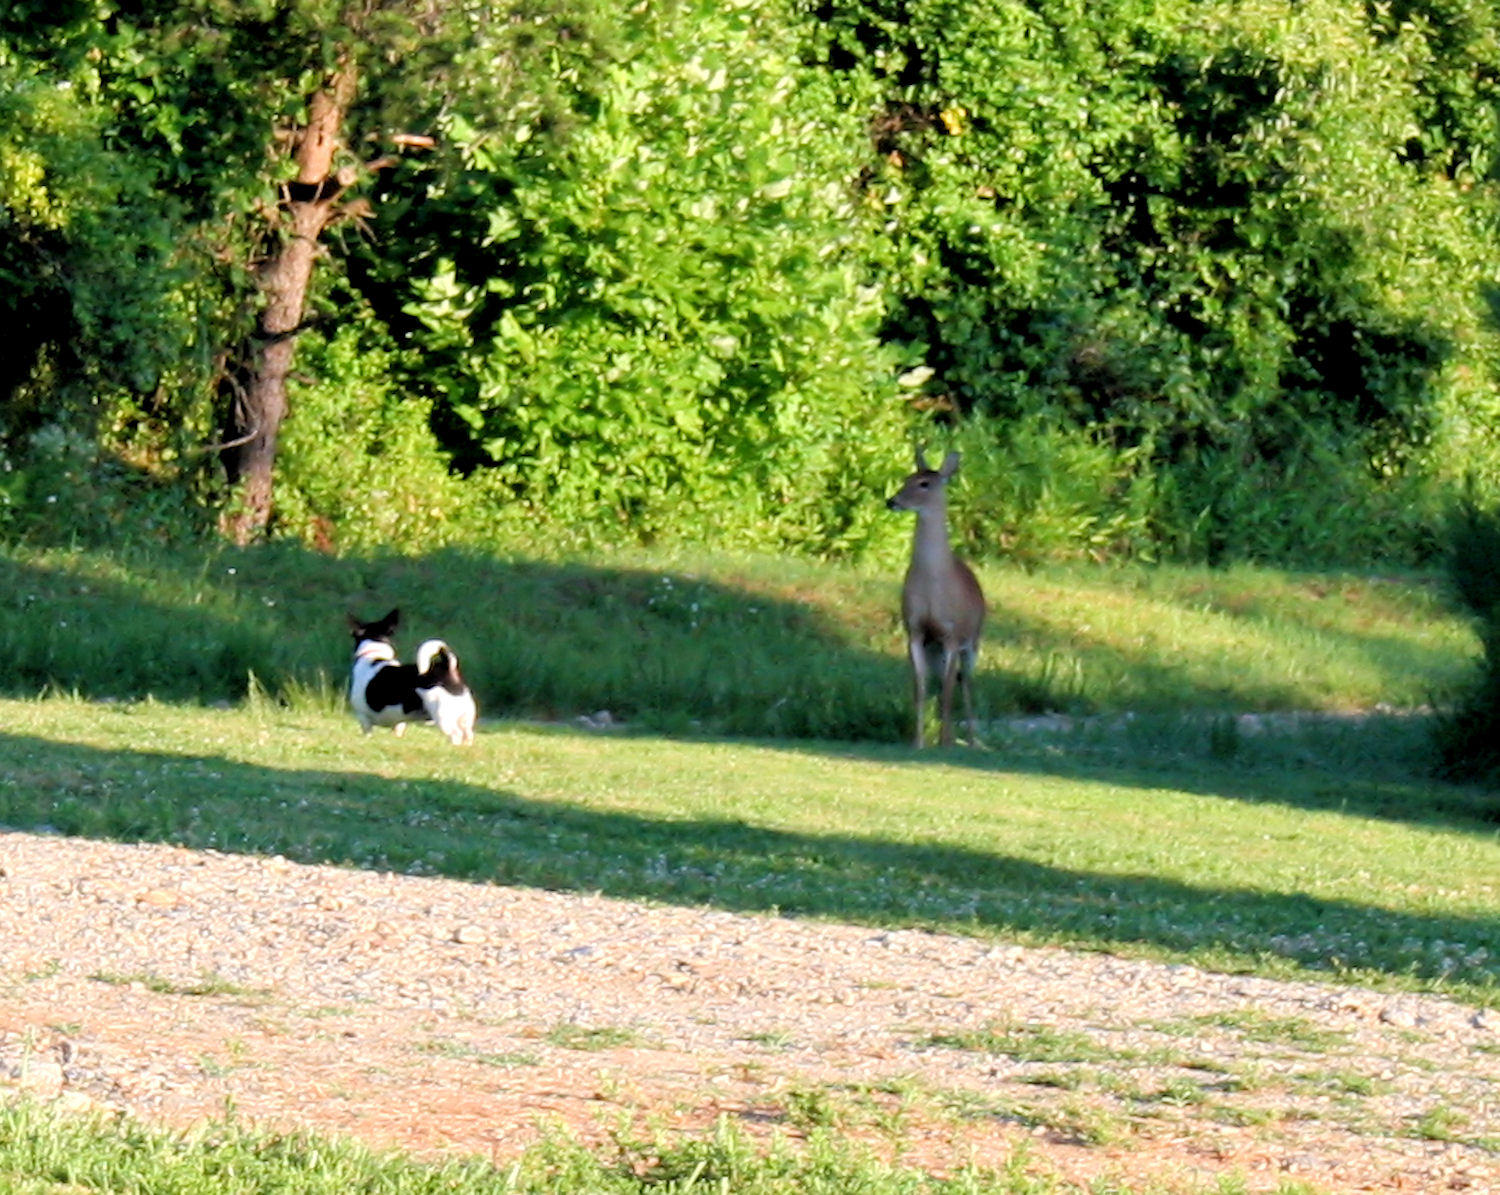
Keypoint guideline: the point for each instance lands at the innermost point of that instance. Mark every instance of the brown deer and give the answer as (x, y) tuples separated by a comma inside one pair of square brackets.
[(942, 606)]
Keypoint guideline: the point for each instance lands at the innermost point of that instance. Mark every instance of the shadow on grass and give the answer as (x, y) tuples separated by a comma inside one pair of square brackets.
[(1376, 766), (675, 651), (771, 650), (471, 832)]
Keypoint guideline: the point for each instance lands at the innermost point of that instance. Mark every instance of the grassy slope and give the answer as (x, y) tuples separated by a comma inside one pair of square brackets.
[(749, 646)]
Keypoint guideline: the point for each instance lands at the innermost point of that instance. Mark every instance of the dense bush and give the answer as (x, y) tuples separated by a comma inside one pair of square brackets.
[(666, 331), (1208, 234), (1199, 279)]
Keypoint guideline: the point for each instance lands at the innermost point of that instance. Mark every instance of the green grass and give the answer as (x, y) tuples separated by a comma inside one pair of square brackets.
[(571, 1036), (758, 646), (1315, 857), (45, 1153), (207, 984), (1023, 1043), (1252, 1025)]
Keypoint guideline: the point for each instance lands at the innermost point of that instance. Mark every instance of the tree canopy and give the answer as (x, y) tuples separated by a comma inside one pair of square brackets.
[(1181, 278)]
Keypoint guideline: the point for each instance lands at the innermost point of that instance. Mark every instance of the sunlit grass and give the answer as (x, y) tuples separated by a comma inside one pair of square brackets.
[(43, 1153), (1333, 858)]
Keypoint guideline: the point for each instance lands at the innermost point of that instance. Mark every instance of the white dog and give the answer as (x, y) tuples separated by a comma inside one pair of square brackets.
[(448, 702)]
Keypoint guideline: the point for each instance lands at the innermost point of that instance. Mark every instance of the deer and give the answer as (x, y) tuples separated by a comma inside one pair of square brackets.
[(942, 606)]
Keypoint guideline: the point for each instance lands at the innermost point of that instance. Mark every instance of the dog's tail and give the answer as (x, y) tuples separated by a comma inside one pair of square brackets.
[(437, 664)]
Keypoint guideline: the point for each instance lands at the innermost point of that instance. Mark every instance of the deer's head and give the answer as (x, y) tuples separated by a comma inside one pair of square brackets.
[(923, 490)]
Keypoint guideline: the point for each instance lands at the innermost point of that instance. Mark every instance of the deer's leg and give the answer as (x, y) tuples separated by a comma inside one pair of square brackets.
[(950, 673), (966, 677), (918, 652)]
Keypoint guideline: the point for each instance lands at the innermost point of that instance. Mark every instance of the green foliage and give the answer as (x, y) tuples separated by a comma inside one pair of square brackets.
[(62, 485), (358, 466), (1039, 489), (1207, 279), (679, 339), (1200, 231), (88, 285), (1468, 731)]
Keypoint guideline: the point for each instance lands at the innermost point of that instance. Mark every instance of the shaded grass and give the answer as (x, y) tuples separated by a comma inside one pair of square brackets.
[(1338, 865), (757, 646)]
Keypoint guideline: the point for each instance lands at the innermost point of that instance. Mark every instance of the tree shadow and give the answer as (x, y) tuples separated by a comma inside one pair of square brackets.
[(1375, 766), (478, 833), (745, 654)]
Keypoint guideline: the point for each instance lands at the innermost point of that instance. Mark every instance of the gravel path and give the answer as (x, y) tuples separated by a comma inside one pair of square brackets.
[(434, 1014)]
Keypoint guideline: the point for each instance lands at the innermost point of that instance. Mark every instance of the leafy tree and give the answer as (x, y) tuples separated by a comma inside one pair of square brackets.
[(307, 99), (86, 247), (660, 320), (250, 132), (1207, 234)]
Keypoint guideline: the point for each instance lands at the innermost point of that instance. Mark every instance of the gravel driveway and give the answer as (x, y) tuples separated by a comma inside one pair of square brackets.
[(437, 1015)]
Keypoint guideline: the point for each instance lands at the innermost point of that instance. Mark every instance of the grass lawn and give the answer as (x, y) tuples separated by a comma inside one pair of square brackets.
[(42, 1153), (1314, 850)]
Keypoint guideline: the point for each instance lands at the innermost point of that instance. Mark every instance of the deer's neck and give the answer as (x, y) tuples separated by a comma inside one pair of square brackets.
[(930, 552)]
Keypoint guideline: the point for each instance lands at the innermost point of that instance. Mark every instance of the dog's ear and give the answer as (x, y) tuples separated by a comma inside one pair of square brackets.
[(354, 624), (392, 620)]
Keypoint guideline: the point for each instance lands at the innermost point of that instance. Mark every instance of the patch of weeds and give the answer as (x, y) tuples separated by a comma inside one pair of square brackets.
[(1184, 1061), (1123, 1087), (1026, 1043), (1343, 1082), (774, 1039), (1073, 1120), (48, 969), (884, 1106), (1238, 1117), (446, 1048), (967, 1105), (1256, 1026), (571, 1036), (208, 984), (1069, 1080), (1440, 1123), (812, 1107), (1181, 1092)]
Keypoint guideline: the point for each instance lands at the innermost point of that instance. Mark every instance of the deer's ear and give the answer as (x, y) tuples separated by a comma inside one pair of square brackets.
[(921, 457), (950, 466)]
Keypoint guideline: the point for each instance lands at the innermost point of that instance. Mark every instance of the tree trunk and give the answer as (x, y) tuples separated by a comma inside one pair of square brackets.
[(260, 405)]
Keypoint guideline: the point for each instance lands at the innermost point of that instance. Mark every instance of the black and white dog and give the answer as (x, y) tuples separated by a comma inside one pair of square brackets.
[(384, 692)]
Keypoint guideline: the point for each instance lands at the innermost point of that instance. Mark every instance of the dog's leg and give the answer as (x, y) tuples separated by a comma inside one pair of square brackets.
[(400, 729)]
